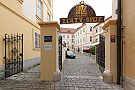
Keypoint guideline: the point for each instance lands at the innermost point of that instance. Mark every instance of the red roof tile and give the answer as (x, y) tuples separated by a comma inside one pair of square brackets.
[(67, 30)]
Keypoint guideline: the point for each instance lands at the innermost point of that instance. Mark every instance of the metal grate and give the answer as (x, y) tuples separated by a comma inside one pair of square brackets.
[(60, 53), (100, 52), (13, 54)]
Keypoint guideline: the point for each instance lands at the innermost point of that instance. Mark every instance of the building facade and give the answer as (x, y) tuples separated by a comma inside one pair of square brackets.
[(77, 39), (83, 37), (22, 17), (97, 30), (68, 38)]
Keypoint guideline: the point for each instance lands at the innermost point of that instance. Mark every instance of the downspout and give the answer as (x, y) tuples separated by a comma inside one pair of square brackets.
[(119, 43)]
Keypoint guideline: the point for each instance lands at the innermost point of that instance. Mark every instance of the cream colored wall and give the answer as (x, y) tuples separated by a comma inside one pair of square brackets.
[(29, 9), (113, 54), (49, 58), (13, 4), (11, 22), (129, 34), (111, 50), (107, 49)]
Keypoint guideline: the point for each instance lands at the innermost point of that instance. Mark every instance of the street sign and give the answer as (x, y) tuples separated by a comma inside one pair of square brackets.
[(47, 46), (47, 38), (112, 38)]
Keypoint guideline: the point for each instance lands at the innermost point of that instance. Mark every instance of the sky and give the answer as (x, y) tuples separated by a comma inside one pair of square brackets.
[(61, 9)]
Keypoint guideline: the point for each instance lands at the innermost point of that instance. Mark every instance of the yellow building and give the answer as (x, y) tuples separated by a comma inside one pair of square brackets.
[(22, 17), (121, 63), (128, 20)]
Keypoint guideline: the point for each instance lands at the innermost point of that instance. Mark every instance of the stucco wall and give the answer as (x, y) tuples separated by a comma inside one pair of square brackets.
[(111, 50), (12, 22), (129, 40), (13, 4)]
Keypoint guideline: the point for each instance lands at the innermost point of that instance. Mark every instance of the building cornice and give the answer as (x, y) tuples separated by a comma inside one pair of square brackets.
[(110, 22), (52, 23), (103, 22)]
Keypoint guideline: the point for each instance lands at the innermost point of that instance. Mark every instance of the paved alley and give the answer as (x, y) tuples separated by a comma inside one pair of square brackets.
[(78, 74)]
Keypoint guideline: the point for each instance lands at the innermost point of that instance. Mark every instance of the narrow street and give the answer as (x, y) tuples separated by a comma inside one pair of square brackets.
[(78, 74)]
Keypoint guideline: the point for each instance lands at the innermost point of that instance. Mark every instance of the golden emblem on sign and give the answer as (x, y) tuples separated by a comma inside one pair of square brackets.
[(81, 9)]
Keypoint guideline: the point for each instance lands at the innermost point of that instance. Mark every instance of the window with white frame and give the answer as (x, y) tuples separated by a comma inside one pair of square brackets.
[(36, 40), (90, 38), (72, 40), (80, 31), (96, 40), (96, 30), (40, 9), (72, 36), (67, 36), (90, 29), (83, 30)]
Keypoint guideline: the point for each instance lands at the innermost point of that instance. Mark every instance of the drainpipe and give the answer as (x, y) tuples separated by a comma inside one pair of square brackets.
[(119, 43)]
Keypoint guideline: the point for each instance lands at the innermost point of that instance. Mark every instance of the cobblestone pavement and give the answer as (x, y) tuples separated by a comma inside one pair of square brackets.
[(78, 74)]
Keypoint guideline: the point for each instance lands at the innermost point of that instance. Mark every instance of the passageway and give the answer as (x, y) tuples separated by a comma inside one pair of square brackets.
[(81, 73)]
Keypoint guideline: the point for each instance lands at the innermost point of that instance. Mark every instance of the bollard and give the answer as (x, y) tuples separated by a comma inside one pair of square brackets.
[(107, 77)]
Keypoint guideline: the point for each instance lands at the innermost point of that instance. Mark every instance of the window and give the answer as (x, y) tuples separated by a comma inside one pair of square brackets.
[(72, 47), (96, 30), (67, 42), (90, 29), (63, 36), (83, 30), (80, 31), (40, 9), (63, 41), (96, 40), (90, 38), (48, 17), (72, 40), (72, 36), (36, 40), (67, 36)]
